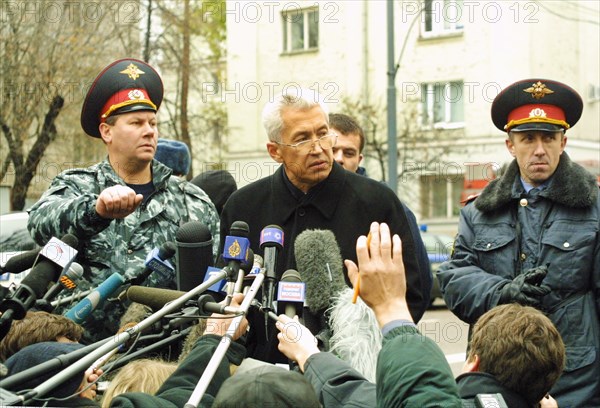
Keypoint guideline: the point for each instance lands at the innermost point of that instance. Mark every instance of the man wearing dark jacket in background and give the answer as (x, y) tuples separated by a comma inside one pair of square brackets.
[(532, 236)]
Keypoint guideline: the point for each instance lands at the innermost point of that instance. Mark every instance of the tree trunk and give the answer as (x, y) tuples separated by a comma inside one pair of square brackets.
[(25, 172)]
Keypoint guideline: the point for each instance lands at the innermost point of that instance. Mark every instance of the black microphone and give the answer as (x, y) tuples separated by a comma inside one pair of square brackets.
[(236, 248), (194, 254), (157, 261), (291, 294), (251, 275), (207, 306), (319, 262), (21, 262), (54, 257), (271, 240)]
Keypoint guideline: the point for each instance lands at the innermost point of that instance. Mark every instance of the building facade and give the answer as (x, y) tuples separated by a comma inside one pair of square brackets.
[(453, 57)]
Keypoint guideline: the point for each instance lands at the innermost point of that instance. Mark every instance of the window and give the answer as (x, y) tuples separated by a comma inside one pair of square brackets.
[(442, 104), (442, 17), (300, 30), (440, 195)]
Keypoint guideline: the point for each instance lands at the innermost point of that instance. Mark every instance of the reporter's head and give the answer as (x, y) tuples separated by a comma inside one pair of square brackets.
[(519, 346)]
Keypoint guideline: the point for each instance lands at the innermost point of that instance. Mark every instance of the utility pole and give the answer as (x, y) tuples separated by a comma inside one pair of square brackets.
[(391, 102)]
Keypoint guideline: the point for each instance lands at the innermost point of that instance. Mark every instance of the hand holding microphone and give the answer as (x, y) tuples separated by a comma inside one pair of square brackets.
[(296, 342), (218, 324)]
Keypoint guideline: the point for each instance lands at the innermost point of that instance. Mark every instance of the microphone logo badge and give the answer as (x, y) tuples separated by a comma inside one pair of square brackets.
[(291, 291), (271, 235), (59, 252), (236, 248), (67, 282)]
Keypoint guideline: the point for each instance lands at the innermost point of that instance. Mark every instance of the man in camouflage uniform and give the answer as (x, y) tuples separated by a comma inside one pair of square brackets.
[(127, 205)]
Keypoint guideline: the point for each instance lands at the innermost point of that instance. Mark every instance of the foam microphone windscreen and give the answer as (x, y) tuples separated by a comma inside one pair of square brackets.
[(194, 254), (319, 261), (155, 298)]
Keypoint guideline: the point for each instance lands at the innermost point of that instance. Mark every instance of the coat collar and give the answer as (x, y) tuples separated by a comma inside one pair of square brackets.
[(473, 383), (325, 196), (108, 176), (571, 186)]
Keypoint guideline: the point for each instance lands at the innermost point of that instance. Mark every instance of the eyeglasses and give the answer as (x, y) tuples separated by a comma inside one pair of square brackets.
[(326, 142)]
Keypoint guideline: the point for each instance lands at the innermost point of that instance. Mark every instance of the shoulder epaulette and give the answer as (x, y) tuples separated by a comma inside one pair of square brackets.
[(470, 198)]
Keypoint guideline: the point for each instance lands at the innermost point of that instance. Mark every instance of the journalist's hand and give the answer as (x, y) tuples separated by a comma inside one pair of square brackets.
[(295, 340)]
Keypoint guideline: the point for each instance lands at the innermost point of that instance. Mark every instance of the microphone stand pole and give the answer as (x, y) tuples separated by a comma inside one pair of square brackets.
[(117, 340), (224, 344), (120, 362), (12, 382)]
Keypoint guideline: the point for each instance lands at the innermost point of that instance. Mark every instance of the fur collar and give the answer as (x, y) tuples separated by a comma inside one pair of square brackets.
[(571, 186)]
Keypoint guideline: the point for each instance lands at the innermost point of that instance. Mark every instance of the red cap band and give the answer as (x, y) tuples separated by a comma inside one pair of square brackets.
[(125, 97), (536, 112)]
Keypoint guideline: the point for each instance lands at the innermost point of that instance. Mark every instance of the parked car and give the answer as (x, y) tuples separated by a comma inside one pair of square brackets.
[(438, 248), (14, 239)]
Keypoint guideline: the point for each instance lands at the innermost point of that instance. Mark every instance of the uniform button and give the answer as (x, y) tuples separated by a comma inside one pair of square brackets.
[(523, 202), (130, 251), (523, 257), (489, 245), (566, 245), (302, 212)]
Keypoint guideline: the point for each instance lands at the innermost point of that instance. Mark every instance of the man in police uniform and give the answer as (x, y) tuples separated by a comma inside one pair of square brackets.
[(128, 204), (543, 212)]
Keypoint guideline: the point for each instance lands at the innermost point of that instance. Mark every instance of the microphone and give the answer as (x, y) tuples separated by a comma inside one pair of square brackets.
[(66, 281), (158, 261), (207, 305), (236, 248), (271, 240), (319, 262), (55, 256), (257, 265), (21, 262), (222, 287), (155, 298), (194, 254), (87, 305), (290, 294)]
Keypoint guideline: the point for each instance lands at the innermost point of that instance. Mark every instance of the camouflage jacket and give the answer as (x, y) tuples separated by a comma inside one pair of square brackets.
[(120, 245)]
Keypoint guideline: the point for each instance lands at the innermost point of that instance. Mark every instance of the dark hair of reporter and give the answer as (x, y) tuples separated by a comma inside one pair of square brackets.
[(521, 347), (38, 327)]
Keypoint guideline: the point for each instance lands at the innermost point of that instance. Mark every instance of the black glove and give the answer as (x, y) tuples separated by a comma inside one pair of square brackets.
[(526, 289)]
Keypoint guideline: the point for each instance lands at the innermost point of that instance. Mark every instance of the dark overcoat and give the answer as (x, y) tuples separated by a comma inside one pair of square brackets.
[(345, 203)]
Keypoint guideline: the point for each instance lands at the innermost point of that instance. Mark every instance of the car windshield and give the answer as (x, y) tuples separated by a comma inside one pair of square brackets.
[(437, 243)]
